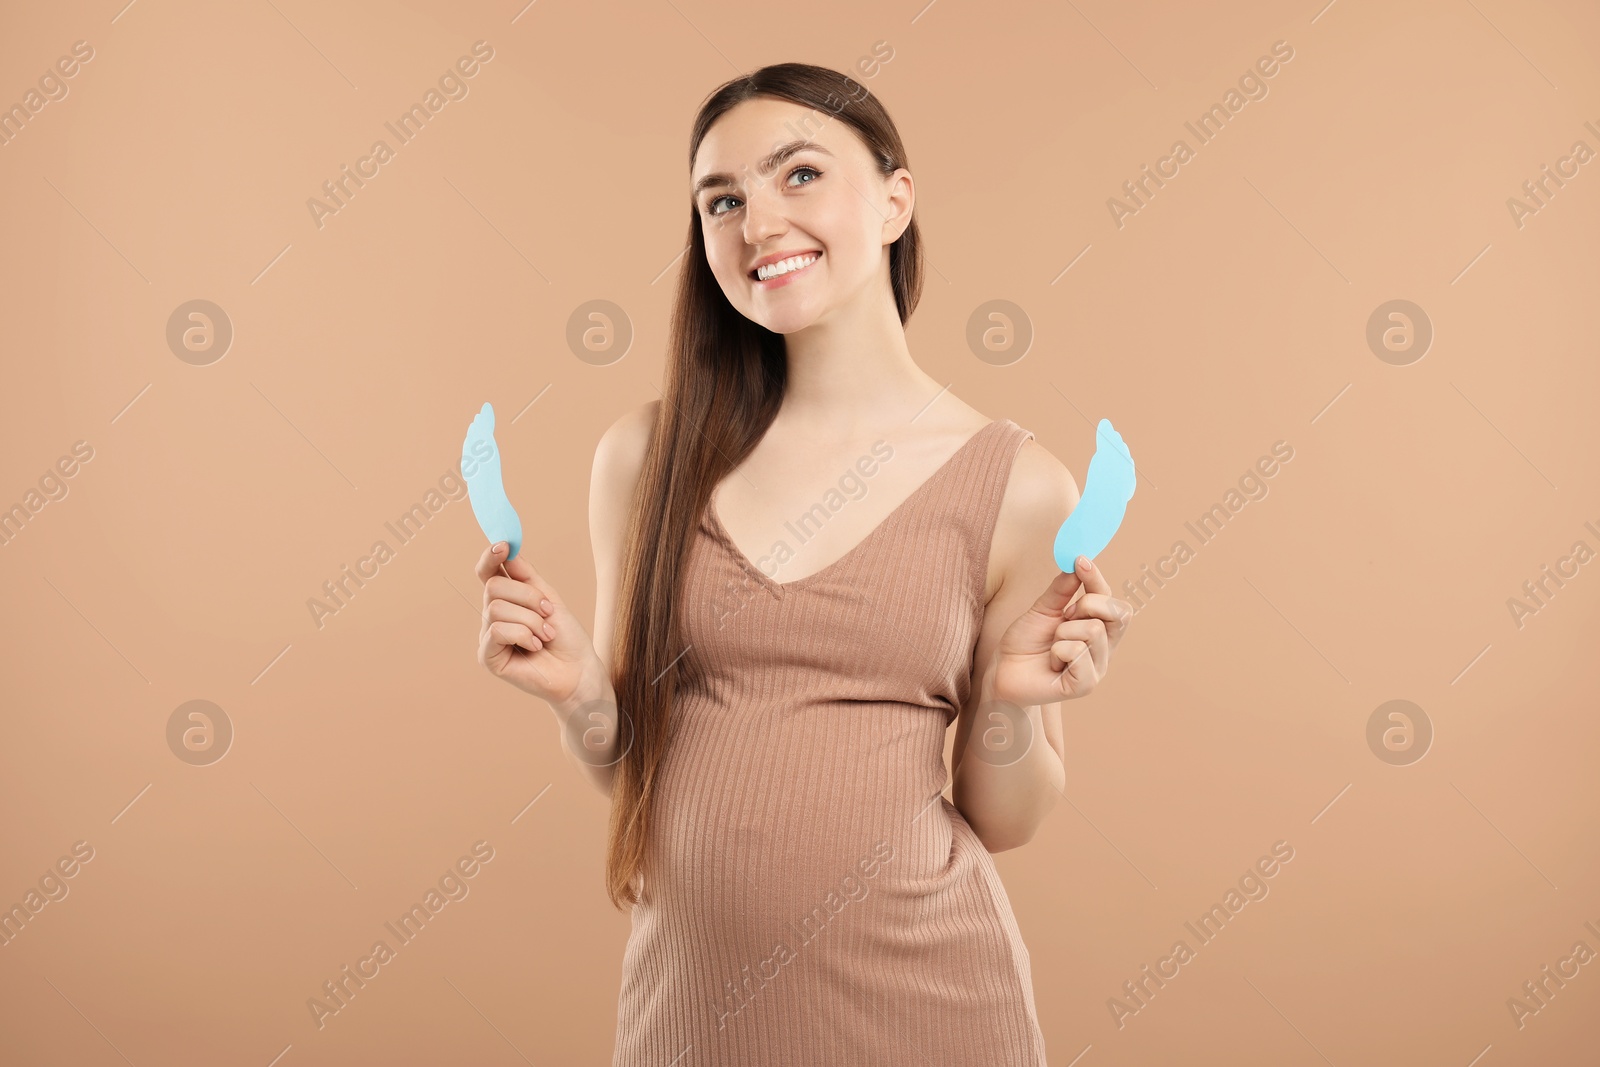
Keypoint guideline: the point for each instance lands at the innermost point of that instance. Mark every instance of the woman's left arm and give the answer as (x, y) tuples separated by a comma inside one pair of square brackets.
[(1035, 651)]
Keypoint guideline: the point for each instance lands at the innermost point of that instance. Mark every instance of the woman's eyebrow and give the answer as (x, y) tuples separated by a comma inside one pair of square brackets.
[(770, 163)]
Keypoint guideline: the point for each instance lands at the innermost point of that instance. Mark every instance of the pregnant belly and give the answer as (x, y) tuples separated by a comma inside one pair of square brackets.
[(773, 822)]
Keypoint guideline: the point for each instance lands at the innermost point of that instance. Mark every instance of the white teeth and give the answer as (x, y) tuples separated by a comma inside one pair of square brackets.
[(784, 266)]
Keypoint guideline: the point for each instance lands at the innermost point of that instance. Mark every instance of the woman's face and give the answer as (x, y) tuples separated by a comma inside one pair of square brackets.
[(758, 198)]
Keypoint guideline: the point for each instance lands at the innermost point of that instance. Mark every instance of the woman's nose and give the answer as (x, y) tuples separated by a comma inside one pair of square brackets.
[(763, 215)]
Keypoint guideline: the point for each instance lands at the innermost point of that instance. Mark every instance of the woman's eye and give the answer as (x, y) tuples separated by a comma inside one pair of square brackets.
[(711, 208)]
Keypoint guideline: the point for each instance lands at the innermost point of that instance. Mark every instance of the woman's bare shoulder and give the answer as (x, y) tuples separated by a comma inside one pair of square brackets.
[(1040, 493), (1040, 488), (619, 455), (618, 465)]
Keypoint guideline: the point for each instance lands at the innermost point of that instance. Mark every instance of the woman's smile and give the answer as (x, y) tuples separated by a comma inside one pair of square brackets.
[(796, 266)]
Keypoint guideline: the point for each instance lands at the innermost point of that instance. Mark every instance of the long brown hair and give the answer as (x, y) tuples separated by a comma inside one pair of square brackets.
[(725, 382)]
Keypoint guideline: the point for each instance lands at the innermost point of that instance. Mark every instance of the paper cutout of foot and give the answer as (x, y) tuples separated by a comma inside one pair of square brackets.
[(480, 466), (1107, 489)]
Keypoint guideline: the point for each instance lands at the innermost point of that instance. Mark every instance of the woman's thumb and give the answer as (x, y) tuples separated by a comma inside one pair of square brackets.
[(519, 568)]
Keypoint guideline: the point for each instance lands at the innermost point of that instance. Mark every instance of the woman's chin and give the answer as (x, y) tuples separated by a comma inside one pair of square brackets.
[(784, 320)]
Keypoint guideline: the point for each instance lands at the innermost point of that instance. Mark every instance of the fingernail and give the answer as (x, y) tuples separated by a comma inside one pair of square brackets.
[(1086, 563), (544, 605), (500, 546)]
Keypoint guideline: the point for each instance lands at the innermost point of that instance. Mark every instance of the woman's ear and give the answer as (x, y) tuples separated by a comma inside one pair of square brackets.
[(901, 196)]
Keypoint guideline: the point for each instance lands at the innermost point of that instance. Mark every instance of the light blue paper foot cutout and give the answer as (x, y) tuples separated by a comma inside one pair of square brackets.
[(1106, 492), (480, 466)]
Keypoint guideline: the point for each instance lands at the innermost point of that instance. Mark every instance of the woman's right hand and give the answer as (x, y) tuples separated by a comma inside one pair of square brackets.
[(529, 638)]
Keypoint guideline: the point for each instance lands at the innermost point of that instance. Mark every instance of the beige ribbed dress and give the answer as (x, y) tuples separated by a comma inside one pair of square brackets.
[(815, 900)]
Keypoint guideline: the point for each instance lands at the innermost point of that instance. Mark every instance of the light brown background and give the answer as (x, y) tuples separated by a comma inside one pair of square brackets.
[(1228, 314)]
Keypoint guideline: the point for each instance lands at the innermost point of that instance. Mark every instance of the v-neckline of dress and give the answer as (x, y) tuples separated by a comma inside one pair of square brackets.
[(781, 588)]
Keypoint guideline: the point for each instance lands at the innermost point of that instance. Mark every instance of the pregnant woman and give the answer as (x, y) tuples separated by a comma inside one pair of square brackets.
[(812, 559)]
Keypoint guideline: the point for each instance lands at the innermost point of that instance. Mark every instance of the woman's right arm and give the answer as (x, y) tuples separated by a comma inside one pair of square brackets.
[(532, 641), (618, 464)]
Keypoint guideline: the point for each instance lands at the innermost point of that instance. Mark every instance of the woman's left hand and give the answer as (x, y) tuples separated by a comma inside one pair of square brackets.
[(1053, 652)]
